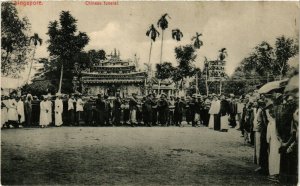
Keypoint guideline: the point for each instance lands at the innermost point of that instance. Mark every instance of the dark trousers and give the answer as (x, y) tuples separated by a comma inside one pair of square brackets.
[(79, 115), (289, 167), (263, 156), (88, 117), (171, 117), (147, 117), (232, 121), (71, 115), (217, 122), (178, 118)]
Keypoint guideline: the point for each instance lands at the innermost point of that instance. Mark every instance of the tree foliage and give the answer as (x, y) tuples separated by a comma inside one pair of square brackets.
[(185, 56), (163, 22), (164, 70), (177, 34), (152, 32), (15, 49), (96, 55), (264, 64), (285, 48), (65, 42), (197, 42)]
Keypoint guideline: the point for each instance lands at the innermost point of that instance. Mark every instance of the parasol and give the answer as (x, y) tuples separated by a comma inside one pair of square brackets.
[(274, 85), (293, 85)]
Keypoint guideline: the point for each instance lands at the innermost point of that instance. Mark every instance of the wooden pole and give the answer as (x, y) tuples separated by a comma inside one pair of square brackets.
[(220, 87), (196, 83)]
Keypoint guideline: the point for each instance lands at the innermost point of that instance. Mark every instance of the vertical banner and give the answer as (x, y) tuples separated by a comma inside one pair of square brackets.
[(216, 70)]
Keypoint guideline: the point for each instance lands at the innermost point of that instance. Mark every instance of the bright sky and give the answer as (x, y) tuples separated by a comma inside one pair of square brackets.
[(238, 26)]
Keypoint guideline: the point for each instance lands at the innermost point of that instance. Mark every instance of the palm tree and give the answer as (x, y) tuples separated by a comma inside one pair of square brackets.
[(163, 24), (153, 33), (36, 39), (197, 43), (223, 54), (177, 34)]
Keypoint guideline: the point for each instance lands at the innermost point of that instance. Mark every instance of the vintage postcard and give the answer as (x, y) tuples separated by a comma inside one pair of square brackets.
[(149, 92)]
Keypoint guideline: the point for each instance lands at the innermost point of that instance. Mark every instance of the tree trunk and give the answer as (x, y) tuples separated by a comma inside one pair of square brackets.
[(61, 77), (31, 64), (149, 70), (150, 53), (196, 83), (161, 48)]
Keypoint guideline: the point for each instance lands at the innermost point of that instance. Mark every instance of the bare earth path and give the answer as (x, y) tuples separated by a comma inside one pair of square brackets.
[(127, 156)]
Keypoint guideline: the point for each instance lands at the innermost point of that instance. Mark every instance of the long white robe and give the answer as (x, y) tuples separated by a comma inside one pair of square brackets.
[(44, 119), (58, 112), (274, 144), (6, 108), (20, 110), (3, 114), (12, 110), (224, 122), (49, 107), (214, 109)]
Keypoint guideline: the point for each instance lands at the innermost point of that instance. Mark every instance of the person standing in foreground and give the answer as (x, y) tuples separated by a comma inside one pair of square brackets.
[(289, 117), (257, 129), (21, 112), (133, 108), (274, 144), (162, 108), (71, 110), (147, 111), (12, 112), (117, 110), (3, 112), (88, 111), (263, 152), (49, 108), (44, 112), (224, 113), (100, 107), (58, 110), (28, 110), (214, 121), (79, 109)]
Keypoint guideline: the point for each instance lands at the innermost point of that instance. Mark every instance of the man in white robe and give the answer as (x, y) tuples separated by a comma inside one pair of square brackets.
[(274, 145), (79, 109), (21, 112), (58, 110), (214, 110), (44, 110), (49, 108), (3, 111), (12, 112)]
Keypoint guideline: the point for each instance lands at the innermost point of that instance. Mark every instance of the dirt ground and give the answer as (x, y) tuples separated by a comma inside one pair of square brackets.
[(127, 156)]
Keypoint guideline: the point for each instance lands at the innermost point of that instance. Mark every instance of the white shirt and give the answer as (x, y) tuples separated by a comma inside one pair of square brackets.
[(58, 106), (79, 105), (71, 103)]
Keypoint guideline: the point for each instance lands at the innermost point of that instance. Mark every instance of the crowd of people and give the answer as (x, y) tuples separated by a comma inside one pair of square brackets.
[(270, 124), (267, 122)]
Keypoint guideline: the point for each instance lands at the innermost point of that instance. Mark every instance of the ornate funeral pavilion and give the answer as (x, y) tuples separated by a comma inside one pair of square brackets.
[(112, 76)]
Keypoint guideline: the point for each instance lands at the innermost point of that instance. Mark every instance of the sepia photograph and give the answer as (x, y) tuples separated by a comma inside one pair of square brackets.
[(108, 92)]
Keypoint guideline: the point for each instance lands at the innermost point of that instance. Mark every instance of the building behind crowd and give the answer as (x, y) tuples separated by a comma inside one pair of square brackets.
[(113, 75)]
